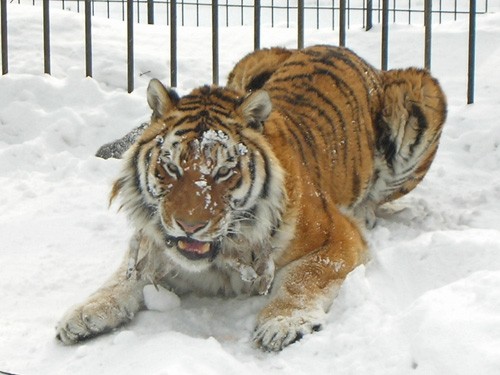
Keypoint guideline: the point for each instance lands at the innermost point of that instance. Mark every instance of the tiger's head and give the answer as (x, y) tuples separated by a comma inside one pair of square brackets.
[(201, 178)]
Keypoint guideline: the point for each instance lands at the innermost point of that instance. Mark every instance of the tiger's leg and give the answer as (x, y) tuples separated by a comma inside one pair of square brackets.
[(414, 111), (408, 131), (307, 287), (253, 71), (114, 304)]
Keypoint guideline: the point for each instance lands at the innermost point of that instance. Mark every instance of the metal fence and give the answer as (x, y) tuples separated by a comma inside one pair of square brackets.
[(334, 14)]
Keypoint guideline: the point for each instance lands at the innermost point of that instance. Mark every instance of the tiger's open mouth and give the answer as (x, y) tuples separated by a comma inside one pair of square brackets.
[(195, 250)]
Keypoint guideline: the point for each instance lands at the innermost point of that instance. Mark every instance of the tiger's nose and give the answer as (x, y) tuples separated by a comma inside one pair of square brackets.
[(191, 228)]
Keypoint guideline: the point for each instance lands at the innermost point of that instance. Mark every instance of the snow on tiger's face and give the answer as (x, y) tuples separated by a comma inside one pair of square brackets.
[(200, 181)]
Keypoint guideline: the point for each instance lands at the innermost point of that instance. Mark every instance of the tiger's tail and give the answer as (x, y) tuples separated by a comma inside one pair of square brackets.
[(253, 71)]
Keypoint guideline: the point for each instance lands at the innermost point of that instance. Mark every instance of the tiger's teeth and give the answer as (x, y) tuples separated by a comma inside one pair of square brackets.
[(205, 248), (194, 247)]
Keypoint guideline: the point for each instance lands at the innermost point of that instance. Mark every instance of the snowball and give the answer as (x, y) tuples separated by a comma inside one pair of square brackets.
[(161, 299)]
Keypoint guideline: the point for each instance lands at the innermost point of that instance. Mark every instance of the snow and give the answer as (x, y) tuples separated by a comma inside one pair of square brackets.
[(158, 298), (428, 302)]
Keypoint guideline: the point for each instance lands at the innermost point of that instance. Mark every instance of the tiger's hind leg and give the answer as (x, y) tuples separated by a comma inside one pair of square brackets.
[(118, 147), (253, 71), (408, 130)]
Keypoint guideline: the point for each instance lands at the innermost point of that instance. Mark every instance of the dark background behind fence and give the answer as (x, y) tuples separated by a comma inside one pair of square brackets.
[(335, 14)]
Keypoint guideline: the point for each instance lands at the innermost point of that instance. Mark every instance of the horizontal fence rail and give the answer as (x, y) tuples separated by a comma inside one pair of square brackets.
[(241, 12), (335, 14)]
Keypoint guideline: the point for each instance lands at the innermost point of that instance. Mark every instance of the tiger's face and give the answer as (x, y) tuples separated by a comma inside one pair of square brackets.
[(200, 175), (199, 181)]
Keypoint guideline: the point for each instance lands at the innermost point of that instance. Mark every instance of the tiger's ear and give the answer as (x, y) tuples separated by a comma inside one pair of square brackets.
[(160, 99), (256, 108)]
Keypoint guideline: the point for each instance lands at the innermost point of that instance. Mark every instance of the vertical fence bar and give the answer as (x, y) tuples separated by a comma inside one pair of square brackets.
[(385, 34), (348, 14), (130, 45), (333, 14), (88, 39), (242, 11), (272, 13), (151, 12), (428, 32), (342, 23), (5, 50), (256, 25), (472, 52), (409, 12), (317, 14), (215, 42), (167, 8), (198, 13), (287, 13), (46, 37), (173, 43), (300, 24), (182, 12), (369, 14), (440, 11)]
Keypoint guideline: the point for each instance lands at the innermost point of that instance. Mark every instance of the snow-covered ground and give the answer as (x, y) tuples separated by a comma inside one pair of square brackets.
[(427, 303)]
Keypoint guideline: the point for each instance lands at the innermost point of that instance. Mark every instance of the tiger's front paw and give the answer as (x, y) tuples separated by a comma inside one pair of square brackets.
[(89, 320), (276, 333)]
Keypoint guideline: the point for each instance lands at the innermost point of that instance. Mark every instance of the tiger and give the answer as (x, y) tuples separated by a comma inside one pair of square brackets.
[(265, 186)]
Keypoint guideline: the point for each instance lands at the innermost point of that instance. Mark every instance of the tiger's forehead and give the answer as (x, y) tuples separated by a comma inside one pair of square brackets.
[(203, 151), (195, 139), (206, 97)]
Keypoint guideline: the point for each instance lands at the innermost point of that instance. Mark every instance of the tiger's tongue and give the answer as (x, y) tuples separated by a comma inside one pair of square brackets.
[(194, 246)]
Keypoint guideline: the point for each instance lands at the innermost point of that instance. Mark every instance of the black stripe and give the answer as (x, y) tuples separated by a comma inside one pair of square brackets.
[(346, 90), (182, 132), (147, 163), (146, 207), (264, 192), (136, 177), (251, 169), (346, 56), (385, 143), (322, 113), (295, 137), (422, 125), (258, 81)]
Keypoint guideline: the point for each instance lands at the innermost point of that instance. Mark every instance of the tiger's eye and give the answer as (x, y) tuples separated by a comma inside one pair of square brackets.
[(223, 172), (172, 169)]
